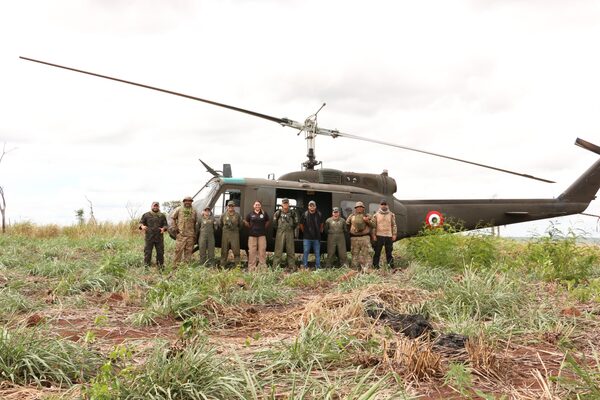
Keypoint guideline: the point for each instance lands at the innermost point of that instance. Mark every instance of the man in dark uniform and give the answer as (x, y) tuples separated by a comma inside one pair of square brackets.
[(154, 224)]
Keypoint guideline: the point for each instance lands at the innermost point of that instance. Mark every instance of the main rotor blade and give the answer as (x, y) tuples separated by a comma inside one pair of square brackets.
[(282, 121), (349, 136), (292, 123)]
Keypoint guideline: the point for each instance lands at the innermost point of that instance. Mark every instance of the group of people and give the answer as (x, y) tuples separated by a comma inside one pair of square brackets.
[(363, 229), (189, 228)]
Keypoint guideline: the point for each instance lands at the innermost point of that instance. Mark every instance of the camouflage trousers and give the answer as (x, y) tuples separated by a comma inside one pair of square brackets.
[(362, 253), (184, 246), (336, 241), (206, 244), (284, 240), (230, 241)]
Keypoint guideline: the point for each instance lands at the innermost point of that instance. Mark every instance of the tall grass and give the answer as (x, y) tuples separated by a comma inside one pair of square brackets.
[(558, 256), (33, 357), (451, 249)]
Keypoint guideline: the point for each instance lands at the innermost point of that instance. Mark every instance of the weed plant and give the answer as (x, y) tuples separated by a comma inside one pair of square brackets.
[(359, 281), (193, 372), (451, 249), (474, 298), (12, 302), (308, 279), (33, 357), (558, 257), (314, 347)]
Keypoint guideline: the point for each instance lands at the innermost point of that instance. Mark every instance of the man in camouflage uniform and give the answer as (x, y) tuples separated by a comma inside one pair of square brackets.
[(206, 242), (231, 222), (154, 224), (335, 227), (285, 221), (360, 224), (184, 219)]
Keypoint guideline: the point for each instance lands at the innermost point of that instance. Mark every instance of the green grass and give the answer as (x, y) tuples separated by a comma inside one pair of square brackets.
[(470, 284), (34, 357)]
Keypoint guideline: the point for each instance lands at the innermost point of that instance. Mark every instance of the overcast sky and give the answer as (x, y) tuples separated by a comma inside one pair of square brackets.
[(507, 83)]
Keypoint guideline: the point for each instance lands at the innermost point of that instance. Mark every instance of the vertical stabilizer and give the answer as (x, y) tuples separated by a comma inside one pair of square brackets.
[(584, 189)]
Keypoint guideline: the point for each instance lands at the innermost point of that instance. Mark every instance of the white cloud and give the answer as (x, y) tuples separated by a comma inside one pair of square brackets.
[(504, 83)]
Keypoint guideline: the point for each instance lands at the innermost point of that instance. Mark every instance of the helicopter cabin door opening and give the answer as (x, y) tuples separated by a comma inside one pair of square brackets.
[(299, 200), (221, 204)]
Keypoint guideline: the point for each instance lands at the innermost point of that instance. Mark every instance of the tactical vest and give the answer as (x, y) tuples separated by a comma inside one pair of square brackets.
[(358, 223), (358, 226)]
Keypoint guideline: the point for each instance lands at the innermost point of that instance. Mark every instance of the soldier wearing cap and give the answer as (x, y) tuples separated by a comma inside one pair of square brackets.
[(184, 219), (311, 227), (231, 222), (360, 224), (206, 241), (384, 233), (336, 230), (284, 222), (154, 224)]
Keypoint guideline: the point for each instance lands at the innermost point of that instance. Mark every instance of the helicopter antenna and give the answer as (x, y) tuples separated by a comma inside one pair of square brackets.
[(309, 126)]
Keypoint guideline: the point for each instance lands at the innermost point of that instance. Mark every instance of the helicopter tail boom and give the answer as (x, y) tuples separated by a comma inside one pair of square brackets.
[(584, 189)]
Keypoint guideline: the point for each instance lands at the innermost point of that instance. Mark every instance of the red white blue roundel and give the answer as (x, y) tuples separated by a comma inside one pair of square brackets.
[(434, 218)]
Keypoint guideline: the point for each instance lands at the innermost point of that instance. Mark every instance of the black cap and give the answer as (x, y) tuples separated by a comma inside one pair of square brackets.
[(383, 201)]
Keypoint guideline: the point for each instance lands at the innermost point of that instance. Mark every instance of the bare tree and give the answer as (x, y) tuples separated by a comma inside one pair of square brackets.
[(2, 196), (92, 220), (133, 210)]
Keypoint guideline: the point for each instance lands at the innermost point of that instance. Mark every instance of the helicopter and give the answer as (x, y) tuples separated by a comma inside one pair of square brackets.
[(331, 188)]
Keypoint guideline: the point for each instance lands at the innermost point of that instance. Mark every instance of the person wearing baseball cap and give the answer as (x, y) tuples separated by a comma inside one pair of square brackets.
[(336, 230), (154, 224), (184, 219), (311, 226), (284, 223), (206, 241), (360, 225), (231, 223), (384, 233)]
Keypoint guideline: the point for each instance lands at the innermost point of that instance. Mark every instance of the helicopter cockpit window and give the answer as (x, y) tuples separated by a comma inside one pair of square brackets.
[(206, 194), (221, 204), (352, 179)]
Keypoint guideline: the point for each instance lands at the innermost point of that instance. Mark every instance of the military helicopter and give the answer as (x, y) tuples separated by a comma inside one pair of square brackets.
[(334, 188)]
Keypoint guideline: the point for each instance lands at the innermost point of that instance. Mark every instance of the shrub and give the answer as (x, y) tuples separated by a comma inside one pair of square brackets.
[(558, 256)]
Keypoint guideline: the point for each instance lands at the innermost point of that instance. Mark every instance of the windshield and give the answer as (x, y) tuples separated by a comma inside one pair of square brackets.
[(206, 194)]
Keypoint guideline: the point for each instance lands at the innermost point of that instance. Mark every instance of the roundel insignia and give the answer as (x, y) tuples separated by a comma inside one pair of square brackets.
[(434, 218)]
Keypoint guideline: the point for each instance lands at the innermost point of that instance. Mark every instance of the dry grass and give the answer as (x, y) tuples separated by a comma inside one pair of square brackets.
[(332, 310), (483, 359), (413, 359), (30, 230)]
